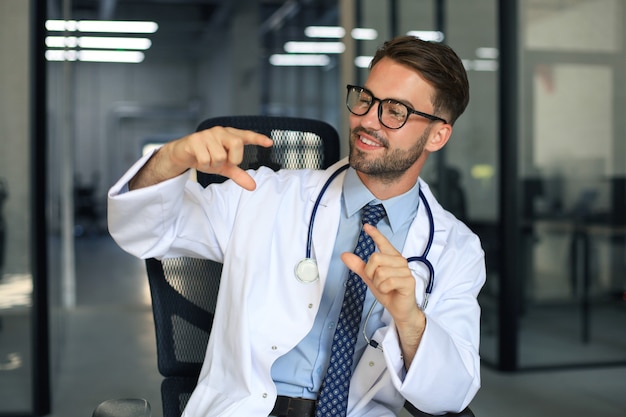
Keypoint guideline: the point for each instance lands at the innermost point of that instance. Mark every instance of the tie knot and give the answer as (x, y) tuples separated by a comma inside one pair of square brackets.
[(372, 214)]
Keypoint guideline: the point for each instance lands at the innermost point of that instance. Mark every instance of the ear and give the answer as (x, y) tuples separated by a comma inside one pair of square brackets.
[(439, 137)]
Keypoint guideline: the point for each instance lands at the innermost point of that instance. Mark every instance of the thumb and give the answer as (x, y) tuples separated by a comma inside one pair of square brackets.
[(354, 263), (240, 177)]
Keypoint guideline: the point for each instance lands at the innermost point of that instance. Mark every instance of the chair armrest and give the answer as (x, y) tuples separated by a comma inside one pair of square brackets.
[(124, 407), (417, 413)]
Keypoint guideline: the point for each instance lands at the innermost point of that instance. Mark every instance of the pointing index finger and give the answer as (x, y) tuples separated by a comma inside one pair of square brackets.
[(250, 137), (382, 243)]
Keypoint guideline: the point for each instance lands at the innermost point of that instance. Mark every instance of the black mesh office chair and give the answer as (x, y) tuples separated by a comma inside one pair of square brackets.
[(184, 290)]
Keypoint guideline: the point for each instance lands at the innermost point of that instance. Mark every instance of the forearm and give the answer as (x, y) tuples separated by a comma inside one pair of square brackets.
[(410, 335), (160, 167)]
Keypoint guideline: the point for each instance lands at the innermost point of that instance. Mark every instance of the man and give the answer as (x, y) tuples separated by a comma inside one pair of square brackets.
[(274, 334)]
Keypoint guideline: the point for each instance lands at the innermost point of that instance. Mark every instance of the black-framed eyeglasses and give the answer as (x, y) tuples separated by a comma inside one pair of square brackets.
[(391, 113)]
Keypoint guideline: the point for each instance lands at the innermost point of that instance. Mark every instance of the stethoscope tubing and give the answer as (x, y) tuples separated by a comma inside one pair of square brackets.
[(316, 205), (423, 258)]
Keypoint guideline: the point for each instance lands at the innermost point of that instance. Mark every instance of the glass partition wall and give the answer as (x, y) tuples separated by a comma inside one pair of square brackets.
[(554, 236), (24, 356), (572, 166)]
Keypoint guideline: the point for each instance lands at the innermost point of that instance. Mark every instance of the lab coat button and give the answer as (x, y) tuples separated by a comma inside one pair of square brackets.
[(265, 395), (372, 363), (310, 305), (274, 347)]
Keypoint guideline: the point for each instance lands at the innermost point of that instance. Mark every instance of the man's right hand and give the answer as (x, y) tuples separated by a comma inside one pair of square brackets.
[(218, 150)]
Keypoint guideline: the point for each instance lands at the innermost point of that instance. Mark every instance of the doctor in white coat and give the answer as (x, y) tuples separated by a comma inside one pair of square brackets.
[(256, 224)]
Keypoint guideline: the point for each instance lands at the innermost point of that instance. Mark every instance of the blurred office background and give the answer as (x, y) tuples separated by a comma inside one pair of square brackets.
[(536, 166)]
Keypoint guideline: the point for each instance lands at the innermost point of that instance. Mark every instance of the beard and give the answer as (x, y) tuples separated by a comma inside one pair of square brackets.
[(393, 164)]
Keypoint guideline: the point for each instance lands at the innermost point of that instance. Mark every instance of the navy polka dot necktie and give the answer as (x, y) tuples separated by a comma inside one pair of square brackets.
[(333, 396)]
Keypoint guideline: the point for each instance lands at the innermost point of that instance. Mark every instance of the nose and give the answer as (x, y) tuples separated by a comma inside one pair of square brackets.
[(371, 119)]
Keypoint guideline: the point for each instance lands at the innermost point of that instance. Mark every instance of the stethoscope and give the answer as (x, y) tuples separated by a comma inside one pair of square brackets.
[(306, 270)]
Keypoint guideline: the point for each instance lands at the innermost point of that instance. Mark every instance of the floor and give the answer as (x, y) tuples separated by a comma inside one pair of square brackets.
[(104, 348)]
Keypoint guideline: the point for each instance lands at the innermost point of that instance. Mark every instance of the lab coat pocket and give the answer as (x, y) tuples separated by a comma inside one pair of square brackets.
[(369, 370), (371, 384)]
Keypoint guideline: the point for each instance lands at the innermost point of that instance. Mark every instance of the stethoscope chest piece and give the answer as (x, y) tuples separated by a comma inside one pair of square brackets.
[(306, 271)]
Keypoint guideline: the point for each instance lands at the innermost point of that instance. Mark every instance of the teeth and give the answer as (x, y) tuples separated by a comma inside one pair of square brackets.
[(368, 142)]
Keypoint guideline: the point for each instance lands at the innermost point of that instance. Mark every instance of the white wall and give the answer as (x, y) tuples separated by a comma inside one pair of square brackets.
[(15, 131)]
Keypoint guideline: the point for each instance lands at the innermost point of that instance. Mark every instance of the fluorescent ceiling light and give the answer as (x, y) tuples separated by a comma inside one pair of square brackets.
[(363, 61), (131, 57), (93, 42), (335, 32), (61, 41), (111, 56), (299, 60), (428, 35), (56, 25), (294, 47), (364, 34), (104, 26), (61, 55), (487, 53), (98, 42), (118, 27)]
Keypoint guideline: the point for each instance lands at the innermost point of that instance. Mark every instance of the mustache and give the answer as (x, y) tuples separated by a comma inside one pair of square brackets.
[(357, 131)]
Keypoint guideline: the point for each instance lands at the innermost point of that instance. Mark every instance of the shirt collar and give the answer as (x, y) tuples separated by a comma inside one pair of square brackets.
[(400, 209)]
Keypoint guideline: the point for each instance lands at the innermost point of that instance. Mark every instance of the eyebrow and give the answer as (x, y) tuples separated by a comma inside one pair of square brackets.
[(405, 102)]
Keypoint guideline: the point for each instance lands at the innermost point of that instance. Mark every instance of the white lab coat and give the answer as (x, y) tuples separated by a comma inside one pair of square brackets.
[(264, 311)]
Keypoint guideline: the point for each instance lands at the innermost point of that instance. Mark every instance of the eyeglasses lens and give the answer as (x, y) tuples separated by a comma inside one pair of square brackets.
[(394, 114), (391, 113), (359, 101)]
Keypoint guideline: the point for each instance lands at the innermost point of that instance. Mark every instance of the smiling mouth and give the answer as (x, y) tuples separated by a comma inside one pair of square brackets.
[(368, 139), (369, 142)]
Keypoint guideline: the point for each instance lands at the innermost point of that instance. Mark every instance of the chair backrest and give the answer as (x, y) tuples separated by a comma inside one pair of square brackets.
[(184, 290), (298, 142)]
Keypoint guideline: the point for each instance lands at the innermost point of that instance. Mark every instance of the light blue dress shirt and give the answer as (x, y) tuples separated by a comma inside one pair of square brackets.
[(299, 373)]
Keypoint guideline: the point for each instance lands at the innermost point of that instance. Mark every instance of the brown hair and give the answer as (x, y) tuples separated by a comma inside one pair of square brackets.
[(438, 64)]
